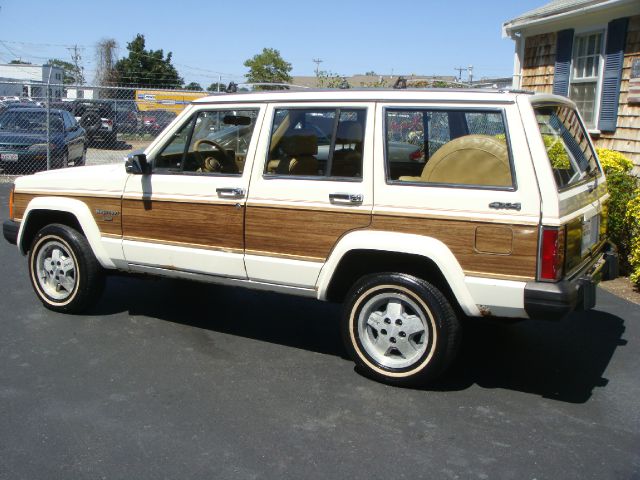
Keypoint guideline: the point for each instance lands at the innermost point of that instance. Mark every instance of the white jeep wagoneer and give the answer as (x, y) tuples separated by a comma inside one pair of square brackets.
[(411, 207)]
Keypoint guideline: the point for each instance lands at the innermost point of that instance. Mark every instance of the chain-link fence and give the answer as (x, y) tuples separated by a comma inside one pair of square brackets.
[(47, 126)]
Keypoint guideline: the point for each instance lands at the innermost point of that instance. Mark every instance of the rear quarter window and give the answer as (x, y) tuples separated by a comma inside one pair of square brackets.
[(568, 149)]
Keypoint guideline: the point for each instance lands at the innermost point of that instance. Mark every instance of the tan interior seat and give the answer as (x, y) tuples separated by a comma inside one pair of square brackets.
[(468, 160), (300, 148), (347, 161)]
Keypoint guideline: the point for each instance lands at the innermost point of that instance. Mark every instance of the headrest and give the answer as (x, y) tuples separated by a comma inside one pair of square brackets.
[(470, 160), (300, 142), (349, 132)]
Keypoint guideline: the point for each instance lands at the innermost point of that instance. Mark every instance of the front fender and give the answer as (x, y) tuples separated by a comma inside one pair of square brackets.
[(427, 247), (81, 212)]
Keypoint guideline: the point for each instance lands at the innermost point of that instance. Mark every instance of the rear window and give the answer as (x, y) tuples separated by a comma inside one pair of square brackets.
[(570, 154)]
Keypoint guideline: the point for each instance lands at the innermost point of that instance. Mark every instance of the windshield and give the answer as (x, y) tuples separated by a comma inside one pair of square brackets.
[(568, 149), (21, 121)]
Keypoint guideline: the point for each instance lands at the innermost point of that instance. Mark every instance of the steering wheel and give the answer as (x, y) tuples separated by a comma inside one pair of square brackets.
[(210, 161), (203, 141)]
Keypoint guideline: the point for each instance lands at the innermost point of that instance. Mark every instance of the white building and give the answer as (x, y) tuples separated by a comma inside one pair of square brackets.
[(33, 79), (83, 92)]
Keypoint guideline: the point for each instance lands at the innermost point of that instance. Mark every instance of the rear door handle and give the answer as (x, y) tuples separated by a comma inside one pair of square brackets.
[(230, 192), (346, 198)]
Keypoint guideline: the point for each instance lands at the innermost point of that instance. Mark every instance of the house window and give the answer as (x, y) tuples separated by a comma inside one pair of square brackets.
[(584, 75)]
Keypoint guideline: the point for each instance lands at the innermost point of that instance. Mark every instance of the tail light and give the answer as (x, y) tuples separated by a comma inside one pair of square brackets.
[(11, 198), (552, 253)]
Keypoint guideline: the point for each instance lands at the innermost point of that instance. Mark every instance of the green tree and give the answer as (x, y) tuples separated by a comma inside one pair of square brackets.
[(19, 62), (214, 87), (149, 68), (331, 80), (193, 86), (269, 67), (72, 74)]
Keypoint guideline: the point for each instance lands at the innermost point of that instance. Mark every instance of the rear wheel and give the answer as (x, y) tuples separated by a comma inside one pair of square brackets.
[(64, 273), (399, 329)]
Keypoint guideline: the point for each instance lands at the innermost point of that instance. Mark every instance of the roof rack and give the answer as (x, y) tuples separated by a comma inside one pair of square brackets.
[(233, 87)]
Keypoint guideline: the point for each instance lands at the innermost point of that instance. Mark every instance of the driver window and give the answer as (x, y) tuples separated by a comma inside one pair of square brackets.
[(212, 142)]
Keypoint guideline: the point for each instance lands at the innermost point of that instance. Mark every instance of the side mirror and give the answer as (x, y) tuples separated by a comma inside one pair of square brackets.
[(137, 164)]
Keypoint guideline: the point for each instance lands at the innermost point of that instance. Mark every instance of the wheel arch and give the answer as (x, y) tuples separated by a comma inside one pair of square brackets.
[(74, 213), (364, 252)]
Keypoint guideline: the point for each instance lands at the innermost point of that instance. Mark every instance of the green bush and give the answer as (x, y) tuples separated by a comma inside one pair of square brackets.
[(624, 210), (633, 221)]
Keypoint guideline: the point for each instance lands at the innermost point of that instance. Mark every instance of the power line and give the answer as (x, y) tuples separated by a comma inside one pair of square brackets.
[(72, 46)]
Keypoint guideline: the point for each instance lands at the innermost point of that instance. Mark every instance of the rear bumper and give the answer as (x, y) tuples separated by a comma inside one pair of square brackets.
[(10, 231), (552, 301)]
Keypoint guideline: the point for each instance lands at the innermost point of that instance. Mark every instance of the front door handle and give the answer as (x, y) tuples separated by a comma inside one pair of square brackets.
[(346, 198), (230, 192)]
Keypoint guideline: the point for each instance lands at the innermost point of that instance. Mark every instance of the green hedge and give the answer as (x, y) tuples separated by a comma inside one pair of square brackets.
[(624, 210)]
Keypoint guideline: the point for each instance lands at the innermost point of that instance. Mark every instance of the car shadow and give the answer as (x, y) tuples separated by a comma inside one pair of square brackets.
[(562, 360), (276, 318)]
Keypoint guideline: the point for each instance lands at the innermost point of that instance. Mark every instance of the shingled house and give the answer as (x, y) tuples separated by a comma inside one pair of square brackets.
[(589, 51)]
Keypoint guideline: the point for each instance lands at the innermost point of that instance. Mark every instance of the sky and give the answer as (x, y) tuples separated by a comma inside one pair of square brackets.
[(212, 39)]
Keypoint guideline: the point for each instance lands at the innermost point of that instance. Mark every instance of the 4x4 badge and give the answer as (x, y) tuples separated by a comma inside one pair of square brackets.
[(505, 206)]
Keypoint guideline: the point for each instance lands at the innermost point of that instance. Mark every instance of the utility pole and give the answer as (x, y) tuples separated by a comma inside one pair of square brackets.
[(317, 61), (470, 74), (460, 70), (76, 57)]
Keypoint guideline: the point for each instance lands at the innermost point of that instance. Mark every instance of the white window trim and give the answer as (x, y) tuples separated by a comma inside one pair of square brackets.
[(596, 107)]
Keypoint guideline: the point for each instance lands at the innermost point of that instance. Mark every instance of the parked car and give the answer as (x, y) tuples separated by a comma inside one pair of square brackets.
[(18, 105), (127, 116), (24, 142), (97, 117), (501, 213), (154, 121)]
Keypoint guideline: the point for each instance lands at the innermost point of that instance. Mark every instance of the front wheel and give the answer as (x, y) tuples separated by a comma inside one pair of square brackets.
[(64, 273), (399, 329)]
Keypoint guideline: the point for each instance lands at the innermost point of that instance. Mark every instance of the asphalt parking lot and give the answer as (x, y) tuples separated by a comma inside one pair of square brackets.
[(167, 379)]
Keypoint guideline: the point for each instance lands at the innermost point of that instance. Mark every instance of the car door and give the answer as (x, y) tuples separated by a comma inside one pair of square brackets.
[(188, 214), (75, 145), (311, 184)]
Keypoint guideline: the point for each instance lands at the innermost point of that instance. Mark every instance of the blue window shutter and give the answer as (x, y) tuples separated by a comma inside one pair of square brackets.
[(562, 71), (613, 60)]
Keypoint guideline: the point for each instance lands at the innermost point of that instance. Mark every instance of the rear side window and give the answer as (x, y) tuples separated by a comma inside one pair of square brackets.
[(569, 152), (452, 147), (319, 142)]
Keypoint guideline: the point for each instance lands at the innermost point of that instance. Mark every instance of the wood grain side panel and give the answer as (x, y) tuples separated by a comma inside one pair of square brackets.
[(20, 203), (305, 233), (211, 225), (107, 223), (460, 237)]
